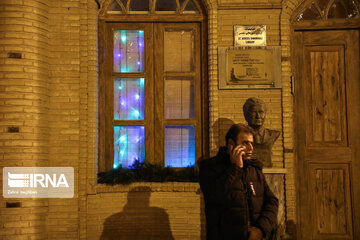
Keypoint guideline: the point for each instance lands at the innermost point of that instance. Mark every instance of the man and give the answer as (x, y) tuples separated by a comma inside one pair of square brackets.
[(238, 202), (255, 112)]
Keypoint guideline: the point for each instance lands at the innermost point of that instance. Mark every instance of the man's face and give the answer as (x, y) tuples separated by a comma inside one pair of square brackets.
[(256, 116), (246, 140)]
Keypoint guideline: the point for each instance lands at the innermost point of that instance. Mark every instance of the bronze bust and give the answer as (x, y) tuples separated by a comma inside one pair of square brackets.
[(255, 112)]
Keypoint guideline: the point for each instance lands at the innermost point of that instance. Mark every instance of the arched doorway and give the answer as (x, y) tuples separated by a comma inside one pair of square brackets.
[(325, 56)]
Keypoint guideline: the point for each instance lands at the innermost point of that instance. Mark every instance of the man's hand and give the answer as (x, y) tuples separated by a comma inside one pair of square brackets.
[(236, 154), (255, 233)]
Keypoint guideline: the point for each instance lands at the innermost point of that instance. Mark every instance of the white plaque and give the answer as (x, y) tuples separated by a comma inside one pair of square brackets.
[(249, 35)]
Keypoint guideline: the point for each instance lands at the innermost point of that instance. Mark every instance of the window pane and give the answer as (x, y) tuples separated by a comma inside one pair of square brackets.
[(129, 145), (129, 99), (322, 4), (191, 8), (179, 50), (179, 146), (129, 51), (114, 8), (311, 13), (165, 5), (179, 98), (352, 12), (181, 2), (139, 5), (337, 10), (124, 2)]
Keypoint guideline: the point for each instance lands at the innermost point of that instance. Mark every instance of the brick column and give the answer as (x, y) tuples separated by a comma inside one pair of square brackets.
[(24, 101)]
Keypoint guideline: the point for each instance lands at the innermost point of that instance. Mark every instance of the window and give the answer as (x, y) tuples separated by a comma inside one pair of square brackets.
[(151, 88), (329, 9)]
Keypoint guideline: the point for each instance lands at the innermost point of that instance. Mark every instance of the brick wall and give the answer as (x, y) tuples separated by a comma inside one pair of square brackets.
[(24, 104), (146, 211), (50, 94), (64, 109)]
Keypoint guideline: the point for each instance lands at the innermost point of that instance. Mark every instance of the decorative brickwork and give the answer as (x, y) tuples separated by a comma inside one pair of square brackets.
[(49, 92)]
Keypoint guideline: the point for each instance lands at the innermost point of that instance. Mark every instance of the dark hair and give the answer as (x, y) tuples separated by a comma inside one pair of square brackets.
[(235, 129)]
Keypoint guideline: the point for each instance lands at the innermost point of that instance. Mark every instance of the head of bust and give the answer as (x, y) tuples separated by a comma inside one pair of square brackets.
[(254, 110)]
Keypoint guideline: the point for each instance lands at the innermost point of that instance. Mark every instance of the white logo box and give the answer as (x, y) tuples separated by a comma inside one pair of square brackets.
[(38, 182)]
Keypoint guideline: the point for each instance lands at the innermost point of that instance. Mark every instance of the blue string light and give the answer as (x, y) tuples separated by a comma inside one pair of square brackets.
[(123, 139), (136, 113)]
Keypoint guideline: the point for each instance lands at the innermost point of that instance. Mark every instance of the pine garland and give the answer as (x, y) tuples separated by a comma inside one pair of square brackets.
[(147, 172)]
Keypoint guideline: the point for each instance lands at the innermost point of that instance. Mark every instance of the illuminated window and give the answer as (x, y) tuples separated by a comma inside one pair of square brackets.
[(151, 84)]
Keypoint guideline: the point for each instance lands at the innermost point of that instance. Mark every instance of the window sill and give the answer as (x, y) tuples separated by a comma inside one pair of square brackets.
[(150, 186), (166, 186)]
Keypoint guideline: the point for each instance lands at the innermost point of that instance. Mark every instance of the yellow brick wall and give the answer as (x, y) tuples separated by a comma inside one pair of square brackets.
[(24, 103), (64, 64), (226, 105), (163, 208), (51, 95)]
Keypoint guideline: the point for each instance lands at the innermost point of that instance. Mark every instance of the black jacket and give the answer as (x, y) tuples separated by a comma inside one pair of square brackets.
[(236, 198)]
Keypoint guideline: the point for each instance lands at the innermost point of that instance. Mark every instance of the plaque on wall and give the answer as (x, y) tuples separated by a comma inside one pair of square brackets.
[(249, 67), (249, 36)]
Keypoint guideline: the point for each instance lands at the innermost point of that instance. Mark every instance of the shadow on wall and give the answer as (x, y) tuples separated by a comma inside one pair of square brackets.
[(224, 125), (138, 220)]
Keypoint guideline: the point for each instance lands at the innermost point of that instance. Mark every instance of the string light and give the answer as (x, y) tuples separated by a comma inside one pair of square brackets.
[(123, 139), (129, 145), (129, 140), (136, 113)]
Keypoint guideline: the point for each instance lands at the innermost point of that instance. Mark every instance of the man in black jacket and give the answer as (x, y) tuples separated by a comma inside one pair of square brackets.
[(238, 202)]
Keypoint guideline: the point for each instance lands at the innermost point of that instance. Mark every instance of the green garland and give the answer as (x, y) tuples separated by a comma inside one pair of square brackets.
[(147, 172)]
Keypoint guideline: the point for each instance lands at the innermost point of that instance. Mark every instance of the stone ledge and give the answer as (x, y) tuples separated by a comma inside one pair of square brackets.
[(150, 186), (166, 186), (275, 171)]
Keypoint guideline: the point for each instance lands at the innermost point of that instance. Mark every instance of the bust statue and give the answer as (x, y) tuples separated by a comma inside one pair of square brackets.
[(255, 112)]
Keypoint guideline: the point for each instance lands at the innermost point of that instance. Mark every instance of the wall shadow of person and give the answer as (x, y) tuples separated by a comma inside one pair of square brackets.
[(138, 220), (224, 125)]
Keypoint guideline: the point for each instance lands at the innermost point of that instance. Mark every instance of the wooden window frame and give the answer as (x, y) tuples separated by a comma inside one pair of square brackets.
[(105, 151)]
